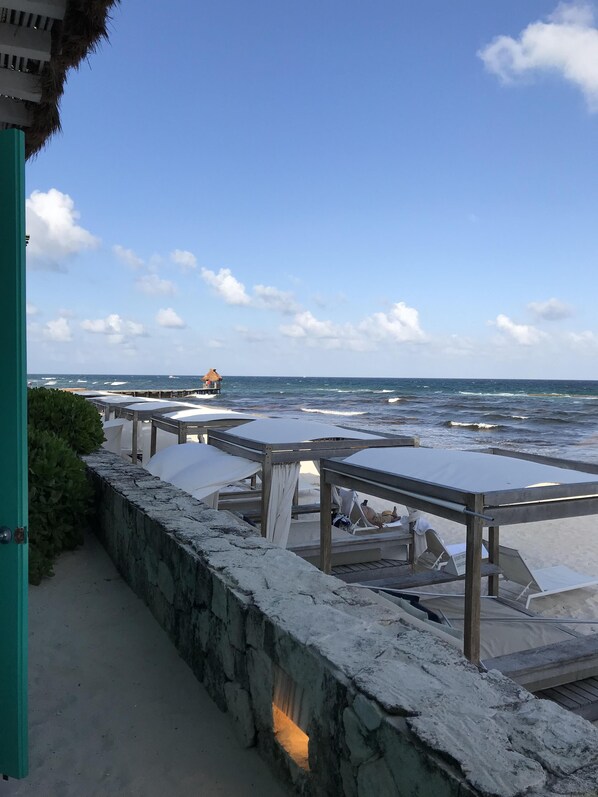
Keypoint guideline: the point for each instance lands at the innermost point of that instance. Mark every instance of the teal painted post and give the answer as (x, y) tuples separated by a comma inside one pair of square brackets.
[(13, 460)]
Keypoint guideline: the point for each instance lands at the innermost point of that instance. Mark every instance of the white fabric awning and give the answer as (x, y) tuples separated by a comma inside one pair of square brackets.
[(199, 469), (119, 399), (207, 414), (471, 471), (156, 404), (288, 430)]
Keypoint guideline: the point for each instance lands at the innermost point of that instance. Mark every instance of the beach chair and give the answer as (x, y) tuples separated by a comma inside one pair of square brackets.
[(439, 556), (543, 581), (349, 506)]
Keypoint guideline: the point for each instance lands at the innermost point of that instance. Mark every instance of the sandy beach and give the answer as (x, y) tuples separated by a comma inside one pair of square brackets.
[(113, 709)]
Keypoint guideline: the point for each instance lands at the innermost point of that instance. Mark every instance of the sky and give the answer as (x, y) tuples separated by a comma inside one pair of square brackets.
[(323, 188)]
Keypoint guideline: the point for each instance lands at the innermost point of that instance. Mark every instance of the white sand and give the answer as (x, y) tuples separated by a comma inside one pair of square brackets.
[(113, 709), (572, 542)]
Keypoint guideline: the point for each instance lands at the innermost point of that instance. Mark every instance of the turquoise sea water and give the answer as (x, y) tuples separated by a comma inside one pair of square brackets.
[(555, 418)]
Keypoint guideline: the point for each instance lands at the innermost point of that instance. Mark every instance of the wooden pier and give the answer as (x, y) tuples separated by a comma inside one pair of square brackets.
[(173, 393)]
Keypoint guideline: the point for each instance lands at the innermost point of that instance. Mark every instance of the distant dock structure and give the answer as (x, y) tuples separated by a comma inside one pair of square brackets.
[(211, 385), (212, 381)]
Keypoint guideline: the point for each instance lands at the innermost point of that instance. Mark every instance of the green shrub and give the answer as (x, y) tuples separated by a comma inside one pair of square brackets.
[(69, 416), (60, 500)]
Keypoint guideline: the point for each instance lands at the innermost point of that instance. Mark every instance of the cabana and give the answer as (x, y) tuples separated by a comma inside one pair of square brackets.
[(194, 422), (479, 489), (280, 444), (142, 411), (105, 403)]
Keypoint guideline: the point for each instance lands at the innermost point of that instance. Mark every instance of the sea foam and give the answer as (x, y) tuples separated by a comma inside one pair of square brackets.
[(331, 412)]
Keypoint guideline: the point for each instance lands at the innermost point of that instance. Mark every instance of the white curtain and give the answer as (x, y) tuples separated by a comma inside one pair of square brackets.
[(284, 481)]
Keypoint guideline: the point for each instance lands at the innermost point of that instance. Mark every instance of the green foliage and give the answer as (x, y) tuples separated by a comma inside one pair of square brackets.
[(69, 416), (60, 500)]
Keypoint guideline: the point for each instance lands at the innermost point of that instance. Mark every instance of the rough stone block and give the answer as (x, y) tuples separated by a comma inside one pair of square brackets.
[(259, 669), (355, 739), (369, 713), (374, 778), (165, 582), (239, 706), (254, 628), (219, 598), (151, 566), (348, 779), (204, 617), (417, 770), (237, 612)]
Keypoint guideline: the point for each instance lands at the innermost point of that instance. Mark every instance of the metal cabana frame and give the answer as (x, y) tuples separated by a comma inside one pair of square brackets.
[(285, 451), (474, 509)]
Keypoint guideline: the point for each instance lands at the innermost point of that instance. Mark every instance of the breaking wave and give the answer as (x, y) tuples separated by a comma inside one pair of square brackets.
[(462, 425), (332, 412)]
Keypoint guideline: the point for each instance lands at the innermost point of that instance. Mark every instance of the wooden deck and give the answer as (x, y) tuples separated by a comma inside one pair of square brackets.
[(401, 576), (580, 697)]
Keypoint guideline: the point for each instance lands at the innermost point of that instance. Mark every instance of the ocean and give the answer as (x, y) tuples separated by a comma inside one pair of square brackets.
[(553, 418)]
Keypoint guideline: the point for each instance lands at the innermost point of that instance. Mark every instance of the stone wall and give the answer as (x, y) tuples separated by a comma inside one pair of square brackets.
[(392, 709)]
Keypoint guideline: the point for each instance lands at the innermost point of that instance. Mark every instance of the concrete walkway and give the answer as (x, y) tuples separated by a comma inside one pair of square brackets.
[(113, 709)]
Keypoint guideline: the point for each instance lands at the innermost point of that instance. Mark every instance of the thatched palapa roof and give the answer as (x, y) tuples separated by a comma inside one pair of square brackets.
[(212, 376), (40, 40)]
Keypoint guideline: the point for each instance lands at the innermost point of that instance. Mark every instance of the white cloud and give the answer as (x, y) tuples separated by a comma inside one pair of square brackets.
[(154, 286), (55, 236), (550, 310), (127, 256), (215, 343), (587, 340), (273, 299), (400, 325), (226, 286), (566, 44), (58, 330), (186, 260), (522, 334), (31, 309), (307, 325), (116, 329), (168, 318)]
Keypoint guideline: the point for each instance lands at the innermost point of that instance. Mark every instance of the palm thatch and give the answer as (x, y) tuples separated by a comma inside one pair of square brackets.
[(212, 376), (73, 38)]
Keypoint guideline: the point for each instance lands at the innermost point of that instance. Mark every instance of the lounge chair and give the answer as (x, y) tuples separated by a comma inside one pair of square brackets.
[(440, 556), (544, 580), (350, 508)]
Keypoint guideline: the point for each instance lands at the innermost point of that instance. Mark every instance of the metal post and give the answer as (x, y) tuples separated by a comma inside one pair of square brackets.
[(493, 558), (13, 462), (325, 524), (473, 581)]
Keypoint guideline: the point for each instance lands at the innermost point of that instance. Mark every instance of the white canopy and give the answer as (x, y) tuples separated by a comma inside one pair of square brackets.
[(156, 404), (471, 471), (206, 414), (200, 470), (119, 399), (174, 458), (288, 430)]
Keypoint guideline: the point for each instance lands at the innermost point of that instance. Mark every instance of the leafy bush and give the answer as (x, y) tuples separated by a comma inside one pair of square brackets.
[(60, 500), (69, 416)]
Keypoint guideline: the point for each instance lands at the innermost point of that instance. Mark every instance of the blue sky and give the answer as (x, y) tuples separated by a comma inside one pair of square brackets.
[(323, 188)]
